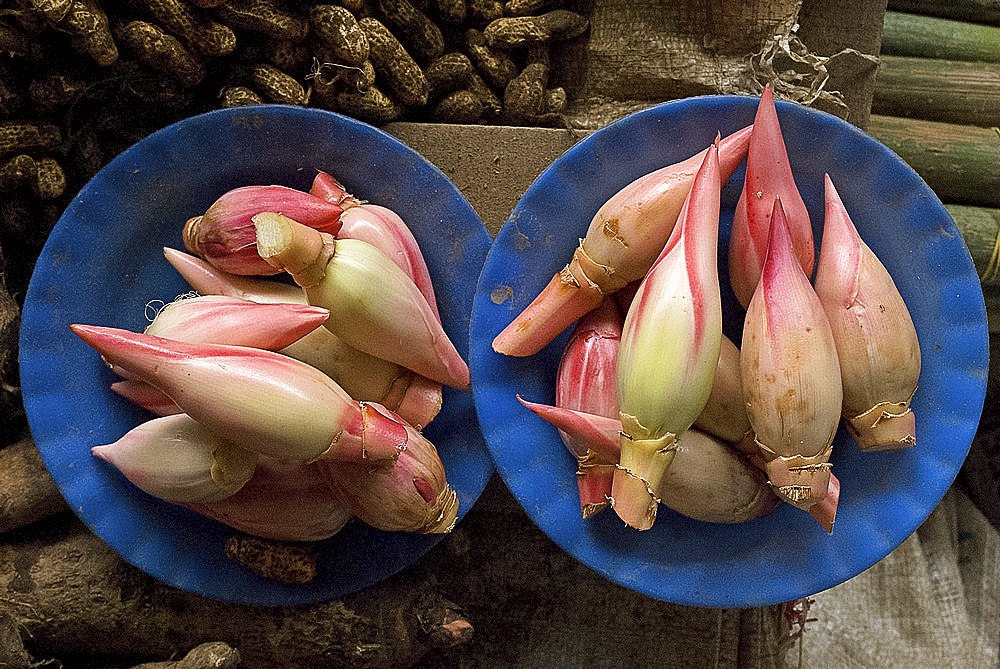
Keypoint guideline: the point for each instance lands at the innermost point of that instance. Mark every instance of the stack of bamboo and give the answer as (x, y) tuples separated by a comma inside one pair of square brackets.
[(937, 104)]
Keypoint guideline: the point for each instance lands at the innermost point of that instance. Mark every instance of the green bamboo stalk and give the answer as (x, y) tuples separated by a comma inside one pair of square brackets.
[(905, 34), (960, 163), (980, 228), (938, 90), (982, 11)]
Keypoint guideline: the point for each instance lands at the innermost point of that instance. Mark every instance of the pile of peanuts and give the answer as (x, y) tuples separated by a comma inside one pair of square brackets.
[(81, 80)]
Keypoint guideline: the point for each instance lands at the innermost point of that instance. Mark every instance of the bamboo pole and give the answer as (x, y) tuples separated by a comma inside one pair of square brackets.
[(980, 228), (905, 34), (981, 11), (938, 90), (960, 163)]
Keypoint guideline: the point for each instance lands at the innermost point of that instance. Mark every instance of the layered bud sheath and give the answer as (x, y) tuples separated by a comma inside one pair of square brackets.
[(725, 415), (225, 236), (669, 349), (282, 501), (364, 377), (224, 320), (410, 494), (585, 381), (768, 176), (790, 373), (260, 400), (876, 342), (708, 480), (176, 459), (625, 237), (374, 305), (381, 227), (218, 319)]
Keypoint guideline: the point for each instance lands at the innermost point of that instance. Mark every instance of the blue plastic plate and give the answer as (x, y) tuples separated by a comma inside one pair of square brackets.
[(884, 496), (103, 262)]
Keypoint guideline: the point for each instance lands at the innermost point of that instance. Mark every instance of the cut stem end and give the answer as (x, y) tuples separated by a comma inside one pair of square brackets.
[(884, 427)]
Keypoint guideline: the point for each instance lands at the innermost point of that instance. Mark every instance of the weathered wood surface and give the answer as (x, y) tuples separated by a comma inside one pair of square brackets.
[(75, 599)]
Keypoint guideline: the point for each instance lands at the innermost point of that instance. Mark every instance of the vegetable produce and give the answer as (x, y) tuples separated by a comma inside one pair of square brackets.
[(374, 305), (225, 235), (585, 381), (876, 342), (223, 320), (382, 228), (808, 357), (175, 458), (365, 377), (669, 349), (267, 418), (308, 510), (234, 390), (625, 237), (768, 177), (410, 494), (790, 373), (707, 479)]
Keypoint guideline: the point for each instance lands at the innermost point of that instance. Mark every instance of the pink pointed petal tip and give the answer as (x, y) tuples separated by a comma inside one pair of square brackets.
[(825, 511), (599, 433)]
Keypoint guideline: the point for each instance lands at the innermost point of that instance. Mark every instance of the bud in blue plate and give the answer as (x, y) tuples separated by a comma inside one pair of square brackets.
[(876, 341), (669, 349), (790, 374)]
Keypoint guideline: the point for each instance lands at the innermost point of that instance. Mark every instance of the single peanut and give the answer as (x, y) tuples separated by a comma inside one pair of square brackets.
[(274, 560), (239, 96), (277, 86), (17, 137), (496, 66), (89, 24), (450, 72), (161, 52), (53, 10), (483, 12), (264, 17), (421, 36), (522, 7), (371, 105), (458, 107), (338, 31), (518, 31), (394, 65), (196, 30)]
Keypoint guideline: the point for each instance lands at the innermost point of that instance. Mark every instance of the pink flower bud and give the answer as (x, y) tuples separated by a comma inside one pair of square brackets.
[(790, 374), (876, 342), (768, 176), (224, 235)]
